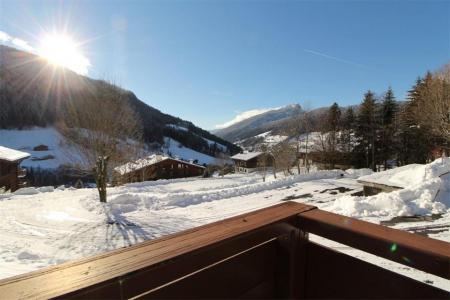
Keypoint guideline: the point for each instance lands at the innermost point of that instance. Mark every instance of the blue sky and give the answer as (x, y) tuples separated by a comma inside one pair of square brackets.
[(206, 61)]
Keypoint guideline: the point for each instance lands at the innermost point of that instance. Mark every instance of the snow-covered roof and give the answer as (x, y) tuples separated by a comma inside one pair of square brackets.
[(409, 175), (147, 161), (246, 156), (11, 154)]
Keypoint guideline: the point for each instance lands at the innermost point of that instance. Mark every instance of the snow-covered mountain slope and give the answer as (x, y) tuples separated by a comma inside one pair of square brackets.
[(211, 143), (258, 124), (176, 149), (310, 141), (28, 139)]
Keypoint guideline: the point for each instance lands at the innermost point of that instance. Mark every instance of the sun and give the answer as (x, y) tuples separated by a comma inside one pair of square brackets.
[(62, 50)]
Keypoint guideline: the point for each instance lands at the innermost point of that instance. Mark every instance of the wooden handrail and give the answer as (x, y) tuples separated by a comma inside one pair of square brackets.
[(413, 250)]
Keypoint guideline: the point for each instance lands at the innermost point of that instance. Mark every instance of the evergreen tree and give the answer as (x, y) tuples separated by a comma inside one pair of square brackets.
[(388, 112), (332, 128), (366, 132), (415, 144), (348, 125)]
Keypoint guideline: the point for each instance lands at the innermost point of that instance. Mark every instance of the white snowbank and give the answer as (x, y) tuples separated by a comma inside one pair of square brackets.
[(34, 190), (27, 191), (410, 175), (356, 173), (425, 192), (136, 196)]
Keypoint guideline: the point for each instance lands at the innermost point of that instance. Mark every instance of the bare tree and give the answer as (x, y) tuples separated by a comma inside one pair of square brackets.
[(102, 132), (299, 129), (262, 166), (284, 155), (264, 161), (307, 125), (436, 110), (295, 129), (220, 161)]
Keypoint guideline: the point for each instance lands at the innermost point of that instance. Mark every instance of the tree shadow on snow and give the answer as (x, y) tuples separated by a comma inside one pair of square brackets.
[(118, 226)]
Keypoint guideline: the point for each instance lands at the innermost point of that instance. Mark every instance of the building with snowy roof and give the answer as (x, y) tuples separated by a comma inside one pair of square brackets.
[(155, 167), (11, 175), (248, 162)]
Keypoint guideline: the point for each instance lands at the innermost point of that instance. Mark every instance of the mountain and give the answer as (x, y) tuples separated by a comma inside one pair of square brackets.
[(34, 93), (272, 127), (258, 124)]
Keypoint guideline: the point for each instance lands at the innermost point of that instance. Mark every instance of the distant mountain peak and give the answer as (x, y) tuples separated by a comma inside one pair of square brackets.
[(242, 116), (258, 123)]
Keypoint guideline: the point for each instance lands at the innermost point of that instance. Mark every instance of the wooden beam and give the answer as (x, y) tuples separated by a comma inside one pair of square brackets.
[(413, 250)]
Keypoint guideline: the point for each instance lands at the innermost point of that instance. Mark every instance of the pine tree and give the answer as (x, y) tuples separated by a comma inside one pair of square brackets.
[(415, 140), (348, 125), (333, 126), (366, 131), (388, 112)]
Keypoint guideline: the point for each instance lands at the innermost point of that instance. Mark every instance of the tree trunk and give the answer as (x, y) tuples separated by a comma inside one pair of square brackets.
[(298, 155), (101, 176), (274, 169), (373, 154), (306, 153)]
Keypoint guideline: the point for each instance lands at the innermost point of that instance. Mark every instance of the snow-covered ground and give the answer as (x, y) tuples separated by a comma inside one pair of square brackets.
[(46, 226)]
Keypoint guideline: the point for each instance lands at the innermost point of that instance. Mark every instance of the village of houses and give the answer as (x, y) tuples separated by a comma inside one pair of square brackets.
[(159, 195)]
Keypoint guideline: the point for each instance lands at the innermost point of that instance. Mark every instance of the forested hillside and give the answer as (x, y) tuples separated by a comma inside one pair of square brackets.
[(34, 93)]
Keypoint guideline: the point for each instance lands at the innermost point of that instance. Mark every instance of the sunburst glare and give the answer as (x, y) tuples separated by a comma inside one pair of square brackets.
[(62, 50)]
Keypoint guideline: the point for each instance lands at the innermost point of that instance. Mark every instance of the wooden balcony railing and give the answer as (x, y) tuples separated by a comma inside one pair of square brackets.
[(262, 254)]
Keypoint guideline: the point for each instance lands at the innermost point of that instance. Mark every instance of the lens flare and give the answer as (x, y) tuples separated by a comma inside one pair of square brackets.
[(61, 50), (393, 247)]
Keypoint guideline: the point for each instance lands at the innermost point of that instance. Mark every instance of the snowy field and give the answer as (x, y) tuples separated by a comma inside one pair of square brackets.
[(46, 226)]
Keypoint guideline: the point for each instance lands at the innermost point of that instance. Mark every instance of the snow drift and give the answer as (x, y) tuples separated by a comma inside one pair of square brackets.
[(426, 190)]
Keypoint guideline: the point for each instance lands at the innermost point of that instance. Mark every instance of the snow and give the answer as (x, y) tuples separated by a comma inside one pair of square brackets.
[(210, 142), (176, 149), (425, 192), (27, 139), (218, 145), (11, 154), (244, 116), (356, 173), (140, 163), (410, 175), (45, 226), (246, 156), (177, 127), (269, 139)]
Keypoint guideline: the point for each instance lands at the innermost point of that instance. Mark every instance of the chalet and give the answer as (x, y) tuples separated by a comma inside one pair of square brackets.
[(155, 167), (248, 162), (11, 174)]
